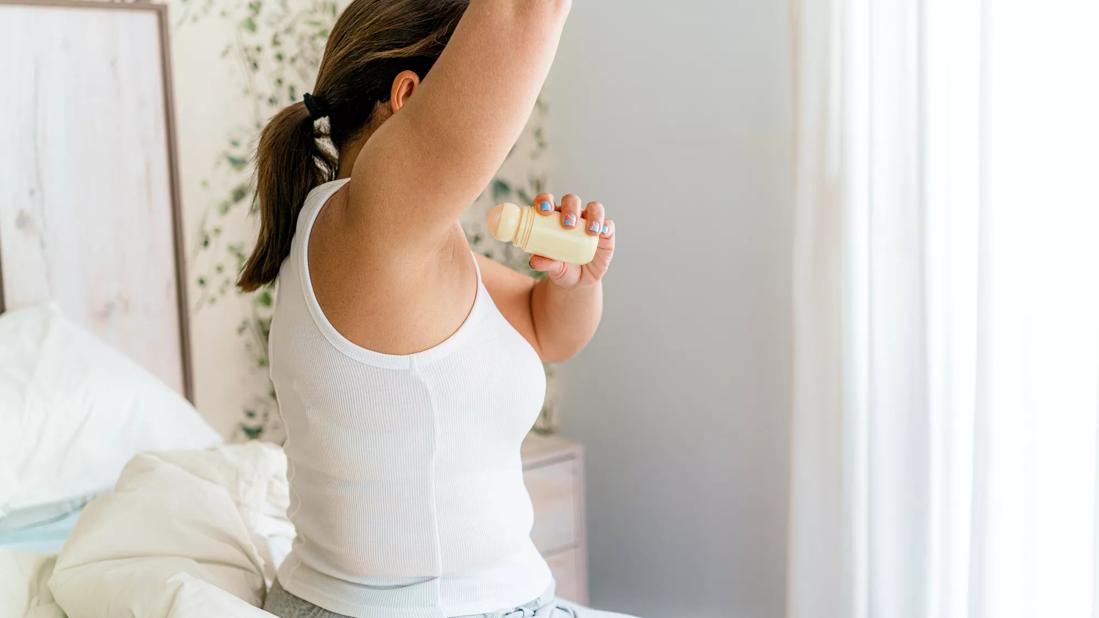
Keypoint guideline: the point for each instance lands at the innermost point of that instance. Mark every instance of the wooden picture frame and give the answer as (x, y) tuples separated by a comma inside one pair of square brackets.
[(90, 208)]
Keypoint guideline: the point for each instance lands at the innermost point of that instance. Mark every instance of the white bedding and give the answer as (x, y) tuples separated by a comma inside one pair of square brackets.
[(185, 534), (73, 411), (23, 586)]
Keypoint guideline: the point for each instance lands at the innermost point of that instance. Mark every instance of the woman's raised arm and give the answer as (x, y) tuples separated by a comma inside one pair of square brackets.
[(431, 159)]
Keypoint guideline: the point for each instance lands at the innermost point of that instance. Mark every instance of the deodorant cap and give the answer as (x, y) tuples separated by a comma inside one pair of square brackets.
[(503, 222)]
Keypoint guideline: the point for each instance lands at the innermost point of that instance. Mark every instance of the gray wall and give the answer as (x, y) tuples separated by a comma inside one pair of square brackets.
[(678, 116)]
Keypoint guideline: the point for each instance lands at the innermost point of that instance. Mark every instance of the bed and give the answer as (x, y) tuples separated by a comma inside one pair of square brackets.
[(116, 498), (89, 201)]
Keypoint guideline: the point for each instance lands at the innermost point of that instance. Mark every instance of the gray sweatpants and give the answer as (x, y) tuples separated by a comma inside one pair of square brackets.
[(285, 605)]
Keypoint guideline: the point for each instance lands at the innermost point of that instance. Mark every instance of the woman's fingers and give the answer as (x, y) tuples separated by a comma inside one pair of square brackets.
[(593, 220), (544, 204), (546, 265), (559, 272), (570, 211), (606, 234), (593, 217), (604, 252)]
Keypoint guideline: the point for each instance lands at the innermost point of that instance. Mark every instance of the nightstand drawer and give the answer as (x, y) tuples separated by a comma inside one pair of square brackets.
[(553, 469), (553, 492)]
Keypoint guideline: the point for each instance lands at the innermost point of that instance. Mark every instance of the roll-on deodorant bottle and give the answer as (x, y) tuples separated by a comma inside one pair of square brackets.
[(542, 235)]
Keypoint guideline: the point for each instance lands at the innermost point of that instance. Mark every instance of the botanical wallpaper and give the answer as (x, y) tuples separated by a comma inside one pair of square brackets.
[(255, 57)]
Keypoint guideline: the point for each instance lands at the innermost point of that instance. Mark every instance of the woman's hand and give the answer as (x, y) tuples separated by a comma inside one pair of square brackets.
[(595, 224)]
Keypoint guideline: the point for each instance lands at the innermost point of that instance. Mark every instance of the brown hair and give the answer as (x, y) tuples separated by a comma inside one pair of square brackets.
[(371, 42)]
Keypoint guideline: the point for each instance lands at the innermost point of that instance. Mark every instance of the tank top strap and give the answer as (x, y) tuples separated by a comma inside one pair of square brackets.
[(477, 267)]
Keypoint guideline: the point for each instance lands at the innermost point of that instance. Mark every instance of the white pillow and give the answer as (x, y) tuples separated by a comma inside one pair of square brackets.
[(73, 411)]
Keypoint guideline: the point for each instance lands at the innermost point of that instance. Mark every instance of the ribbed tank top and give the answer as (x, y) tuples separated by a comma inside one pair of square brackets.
[(405, 474)]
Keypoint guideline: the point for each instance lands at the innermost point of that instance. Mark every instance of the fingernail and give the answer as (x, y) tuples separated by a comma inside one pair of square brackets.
[(570, 220), (546, 206), (606, 229), (594, 227)]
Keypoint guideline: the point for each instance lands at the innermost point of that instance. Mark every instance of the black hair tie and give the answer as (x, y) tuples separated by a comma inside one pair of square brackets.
[(317, 110)]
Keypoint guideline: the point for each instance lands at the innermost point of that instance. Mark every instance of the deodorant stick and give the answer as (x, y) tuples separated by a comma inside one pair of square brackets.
[(542, 235)]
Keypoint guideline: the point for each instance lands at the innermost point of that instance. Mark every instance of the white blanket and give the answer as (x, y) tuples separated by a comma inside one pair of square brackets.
[(23, 586), (188, 534)]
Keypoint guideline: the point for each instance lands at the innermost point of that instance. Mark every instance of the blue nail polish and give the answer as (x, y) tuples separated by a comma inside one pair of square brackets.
[(570, 220), (546, 206), (606, 229), (594, 227)]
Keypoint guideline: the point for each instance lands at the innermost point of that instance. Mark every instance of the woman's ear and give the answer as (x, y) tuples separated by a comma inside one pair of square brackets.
[(403, 85)]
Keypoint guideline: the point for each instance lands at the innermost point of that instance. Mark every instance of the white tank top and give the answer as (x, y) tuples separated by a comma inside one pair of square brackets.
[(405, 475)]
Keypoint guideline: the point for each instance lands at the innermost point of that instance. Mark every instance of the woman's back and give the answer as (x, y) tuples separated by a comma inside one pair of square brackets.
[(404, 468)]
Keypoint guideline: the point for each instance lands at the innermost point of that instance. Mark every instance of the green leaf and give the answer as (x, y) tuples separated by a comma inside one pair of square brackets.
[(237, 163), (501, 190), (239, 193), (248, 24), (264, 298)]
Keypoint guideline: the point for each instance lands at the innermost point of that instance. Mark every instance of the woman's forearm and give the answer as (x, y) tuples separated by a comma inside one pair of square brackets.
[(565, 319)]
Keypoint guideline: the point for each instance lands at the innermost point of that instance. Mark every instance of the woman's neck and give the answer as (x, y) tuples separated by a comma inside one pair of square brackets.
[(348, 154), (350, 150)]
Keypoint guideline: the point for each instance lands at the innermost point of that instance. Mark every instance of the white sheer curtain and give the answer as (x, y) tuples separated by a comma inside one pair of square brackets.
[(946, 402)]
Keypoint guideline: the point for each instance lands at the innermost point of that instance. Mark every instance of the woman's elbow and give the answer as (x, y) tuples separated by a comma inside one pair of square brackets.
[(560, 352)]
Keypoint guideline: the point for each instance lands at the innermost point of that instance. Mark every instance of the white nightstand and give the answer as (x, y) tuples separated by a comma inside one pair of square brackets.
[(553, 468)]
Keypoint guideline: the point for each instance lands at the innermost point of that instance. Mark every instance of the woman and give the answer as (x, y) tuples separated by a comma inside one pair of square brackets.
[(408, 370)]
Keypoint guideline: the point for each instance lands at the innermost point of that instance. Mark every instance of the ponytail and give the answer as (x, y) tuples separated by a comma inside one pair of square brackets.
[(371, 42), (289, 165)]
